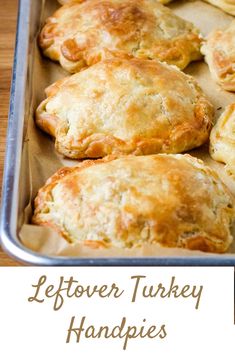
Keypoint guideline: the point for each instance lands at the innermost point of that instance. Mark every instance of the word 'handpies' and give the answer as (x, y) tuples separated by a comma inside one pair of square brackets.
[(219, 50), (222, 139), (172, 200), (126, 107), (80, 34)]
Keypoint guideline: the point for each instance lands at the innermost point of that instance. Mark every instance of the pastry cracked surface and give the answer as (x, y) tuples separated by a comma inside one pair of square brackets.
[(172, 200), (222, 140), (81, 33), (219, 51), (126, 107)]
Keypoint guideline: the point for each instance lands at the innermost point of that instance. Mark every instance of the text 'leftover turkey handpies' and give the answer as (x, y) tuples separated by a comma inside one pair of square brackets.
[(126, 107), (219, 50), (222, 139), (80, 34), (172, 200)]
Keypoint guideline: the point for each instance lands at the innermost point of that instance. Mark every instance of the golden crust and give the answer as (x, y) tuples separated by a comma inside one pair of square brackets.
[(222, 139), (226, 5), (63, 2), (80, 34), (219, 50), (173, 200), (126, 107)]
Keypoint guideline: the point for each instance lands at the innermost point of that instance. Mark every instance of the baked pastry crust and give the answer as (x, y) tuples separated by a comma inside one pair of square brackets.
[(226, 5), (219, 51), (222, 139), (80, 34), (63, 2), (172, 200), (126, 107)]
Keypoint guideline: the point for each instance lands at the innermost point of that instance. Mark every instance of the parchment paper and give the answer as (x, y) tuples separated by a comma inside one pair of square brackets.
[(41, 159)]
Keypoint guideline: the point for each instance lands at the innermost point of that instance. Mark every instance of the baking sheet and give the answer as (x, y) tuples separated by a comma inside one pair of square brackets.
[(41, 159)]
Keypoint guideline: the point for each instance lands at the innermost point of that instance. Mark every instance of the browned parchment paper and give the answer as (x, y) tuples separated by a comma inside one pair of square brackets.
[(42, 160)]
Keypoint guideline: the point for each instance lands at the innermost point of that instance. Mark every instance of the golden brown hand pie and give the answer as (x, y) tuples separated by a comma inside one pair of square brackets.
[(226, 5), (222, 139), (219, 50), (63, 2), (126, 107), (80, 34), (172, 200)]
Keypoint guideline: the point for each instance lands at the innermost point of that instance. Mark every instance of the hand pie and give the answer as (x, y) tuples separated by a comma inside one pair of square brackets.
[(219, 50), (222, 139), (125, 107), (62, 2), (226, 5), (80, 34), (172, 200)]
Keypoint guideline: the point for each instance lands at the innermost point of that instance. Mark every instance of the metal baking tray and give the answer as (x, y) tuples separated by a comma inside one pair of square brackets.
[(16, 177)]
